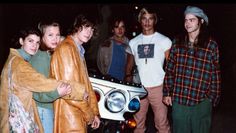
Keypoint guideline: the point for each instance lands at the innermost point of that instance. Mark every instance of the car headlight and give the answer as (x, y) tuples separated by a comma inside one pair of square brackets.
[(115, 101)]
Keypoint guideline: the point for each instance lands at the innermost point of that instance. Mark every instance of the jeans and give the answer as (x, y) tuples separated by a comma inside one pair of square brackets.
[(46, 116)]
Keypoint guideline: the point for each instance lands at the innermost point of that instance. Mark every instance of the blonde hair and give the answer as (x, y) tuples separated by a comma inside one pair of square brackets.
[(145, 11)]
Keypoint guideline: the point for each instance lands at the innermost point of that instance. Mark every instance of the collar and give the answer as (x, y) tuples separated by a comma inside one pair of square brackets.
[(23, 54), (80, 47)]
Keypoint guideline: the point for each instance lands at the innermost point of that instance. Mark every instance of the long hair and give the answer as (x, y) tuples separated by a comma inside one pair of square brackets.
[(202, 38), (115, 23)]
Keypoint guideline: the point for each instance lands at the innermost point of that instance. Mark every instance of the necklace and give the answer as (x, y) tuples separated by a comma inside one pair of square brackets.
[(146, 48), (190, 44)]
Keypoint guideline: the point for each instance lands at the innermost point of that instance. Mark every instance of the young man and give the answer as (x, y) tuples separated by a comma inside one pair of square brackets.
[(68, 63), (192, 81), (151, 71), (113, 52)]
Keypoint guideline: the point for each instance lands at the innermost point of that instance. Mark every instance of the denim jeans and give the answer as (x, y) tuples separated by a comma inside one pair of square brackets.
[(46, 116)]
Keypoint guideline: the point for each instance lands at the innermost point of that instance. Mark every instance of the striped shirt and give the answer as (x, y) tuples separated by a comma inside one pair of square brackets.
[(193, 74)]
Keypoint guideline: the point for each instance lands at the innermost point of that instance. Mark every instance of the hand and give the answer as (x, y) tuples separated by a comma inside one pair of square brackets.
[(96, 122), (86, 96), (64, 89), (167, 100)]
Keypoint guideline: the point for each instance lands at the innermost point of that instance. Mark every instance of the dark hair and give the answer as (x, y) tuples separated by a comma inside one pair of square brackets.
[(42, 25), (203, 37), (116, 20), (29, 30), (23, 34), (80, 21)]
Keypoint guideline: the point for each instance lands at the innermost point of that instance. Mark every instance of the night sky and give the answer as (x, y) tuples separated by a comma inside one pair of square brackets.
[(222, 23)]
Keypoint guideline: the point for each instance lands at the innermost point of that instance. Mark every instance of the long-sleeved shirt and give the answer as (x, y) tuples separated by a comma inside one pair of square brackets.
[(193, 74), (41, 63)]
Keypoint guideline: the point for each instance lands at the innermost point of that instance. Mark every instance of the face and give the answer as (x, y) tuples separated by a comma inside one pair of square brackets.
[(85, 34), (147, 22), (146, 50), (192, 23), (51, 36), (30, 44), (119, 29)]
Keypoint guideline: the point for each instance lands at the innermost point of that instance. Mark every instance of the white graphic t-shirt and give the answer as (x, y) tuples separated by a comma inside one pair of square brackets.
[(149, 54)]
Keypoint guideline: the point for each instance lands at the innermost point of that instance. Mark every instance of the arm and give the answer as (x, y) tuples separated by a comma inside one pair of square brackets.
[(129, 68), (24, 76), (104, 56), (214, 93), (167, 52), (46, 96), (169, 76), (168, 80)]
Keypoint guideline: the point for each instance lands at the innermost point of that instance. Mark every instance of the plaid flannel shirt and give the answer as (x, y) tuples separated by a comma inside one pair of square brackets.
[(193, 74)]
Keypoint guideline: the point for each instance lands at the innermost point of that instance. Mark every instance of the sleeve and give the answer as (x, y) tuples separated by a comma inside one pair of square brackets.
[(127, 47), (214, 93), (169, 76), (76, 94), (104, 56), (28, 78), (45, 97), (100, 60), (130, 46), (167, 44)]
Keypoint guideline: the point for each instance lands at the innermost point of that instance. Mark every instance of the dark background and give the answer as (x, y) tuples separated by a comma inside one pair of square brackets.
[(222, 23)]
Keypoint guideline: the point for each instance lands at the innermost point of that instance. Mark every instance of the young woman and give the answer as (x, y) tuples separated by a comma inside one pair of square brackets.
[(113, 52), (50, 39)]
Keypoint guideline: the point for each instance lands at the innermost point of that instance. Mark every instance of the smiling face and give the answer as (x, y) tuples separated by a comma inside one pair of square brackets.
[(51, 36), (84, 35), (192, 24), (30, 43)]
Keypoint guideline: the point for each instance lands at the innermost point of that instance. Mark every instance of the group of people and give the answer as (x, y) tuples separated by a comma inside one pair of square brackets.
[(53, 83), (189, 82)]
